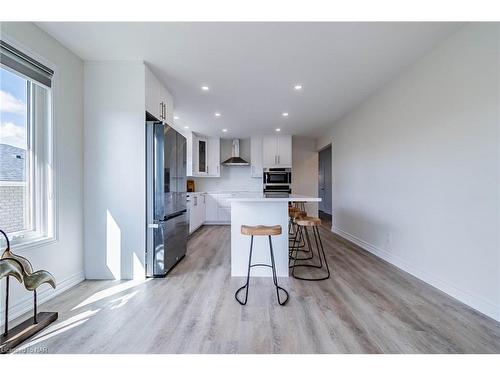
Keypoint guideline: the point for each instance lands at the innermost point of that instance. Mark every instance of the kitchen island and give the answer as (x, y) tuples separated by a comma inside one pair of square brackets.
[(259, 210)]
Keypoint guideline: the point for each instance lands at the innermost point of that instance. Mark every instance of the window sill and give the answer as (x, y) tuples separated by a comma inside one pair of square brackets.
[(33, 243)]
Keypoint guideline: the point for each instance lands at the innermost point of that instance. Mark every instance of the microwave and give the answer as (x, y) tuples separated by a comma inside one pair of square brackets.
[(277, 176)]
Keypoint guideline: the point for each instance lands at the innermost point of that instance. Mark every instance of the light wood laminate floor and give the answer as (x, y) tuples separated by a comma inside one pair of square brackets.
[(368, 306)]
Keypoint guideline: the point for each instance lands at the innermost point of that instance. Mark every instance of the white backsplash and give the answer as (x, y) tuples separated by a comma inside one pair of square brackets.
[(232, 178)]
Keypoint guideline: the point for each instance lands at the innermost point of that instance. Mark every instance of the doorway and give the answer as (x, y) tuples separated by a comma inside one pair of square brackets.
[(325, 184)]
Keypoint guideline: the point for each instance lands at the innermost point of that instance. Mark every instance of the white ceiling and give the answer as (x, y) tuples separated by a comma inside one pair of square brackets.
[(251, 68)]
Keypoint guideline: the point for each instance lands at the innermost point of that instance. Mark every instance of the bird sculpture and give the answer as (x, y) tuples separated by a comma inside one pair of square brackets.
[(31, 280)]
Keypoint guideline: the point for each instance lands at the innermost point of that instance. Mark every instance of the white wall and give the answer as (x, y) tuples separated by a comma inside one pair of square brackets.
[(305, 170), (232, 178), (64, 258), (114, 190), (416, 169)]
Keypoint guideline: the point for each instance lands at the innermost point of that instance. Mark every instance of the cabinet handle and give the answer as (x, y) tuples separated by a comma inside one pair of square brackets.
[(278, 159), (195, 201)]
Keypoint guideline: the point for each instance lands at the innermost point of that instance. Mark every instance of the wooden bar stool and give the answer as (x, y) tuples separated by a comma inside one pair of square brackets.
[(291, 211), (261, 230), (303, 224), (294, 216)]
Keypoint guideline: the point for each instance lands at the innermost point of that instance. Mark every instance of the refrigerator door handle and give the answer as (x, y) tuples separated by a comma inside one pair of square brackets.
[(171, 216)]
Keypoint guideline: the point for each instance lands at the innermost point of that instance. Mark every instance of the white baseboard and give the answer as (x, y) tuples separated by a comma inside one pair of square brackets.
[(26, 304), (478, 303)]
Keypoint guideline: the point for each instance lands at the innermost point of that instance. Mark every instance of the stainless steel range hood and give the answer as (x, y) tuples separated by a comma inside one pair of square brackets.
[(235, 158)]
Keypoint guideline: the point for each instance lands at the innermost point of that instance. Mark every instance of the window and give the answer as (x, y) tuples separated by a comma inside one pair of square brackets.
[(26, 192)]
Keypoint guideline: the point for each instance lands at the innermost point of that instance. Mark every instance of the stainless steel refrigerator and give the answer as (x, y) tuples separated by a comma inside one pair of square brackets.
[(167, 223)]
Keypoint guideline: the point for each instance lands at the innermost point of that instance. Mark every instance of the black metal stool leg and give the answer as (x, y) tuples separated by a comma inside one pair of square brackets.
[(301, 243), (248, 277), (323, 251), (301, 247), (275, 278), (321, 254)]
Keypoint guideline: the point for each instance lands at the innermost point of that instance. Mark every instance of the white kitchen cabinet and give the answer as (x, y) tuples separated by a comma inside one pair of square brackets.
[(200, 156), (159, 102), (213, 164), (256, 157), (269, 149), (218, 206), (153, 103), (203, 156), (202, 209), (224, 207), (224, 215), (284, 151), (277, 151), (211, 208), (166, 102), (197, 211)]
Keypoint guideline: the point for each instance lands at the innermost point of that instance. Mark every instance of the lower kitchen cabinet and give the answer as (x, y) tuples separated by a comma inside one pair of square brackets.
[(212, 208), (218, 208), (197, 211)]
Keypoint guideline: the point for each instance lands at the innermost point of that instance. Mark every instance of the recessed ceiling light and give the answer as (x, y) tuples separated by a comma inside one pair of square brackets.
[(205, 88), (297, 87), (176, 117), (278, 129), (217, 114), (224, 130), (186, 127), (285, 114)]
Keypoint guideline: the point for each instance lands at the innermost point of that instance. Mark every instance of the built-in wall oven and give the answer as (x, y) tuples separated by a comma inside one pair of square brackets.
[(277, 182)]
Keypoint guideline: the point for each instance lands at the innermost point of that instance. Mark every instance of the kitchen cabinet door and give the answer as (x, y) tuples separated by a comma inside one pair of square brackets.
[(200, 156), (153, 94), (194, 213), (269, 152), (191, 215), (213, 165), (168, 105), (224, 215), (211, 208), (256, 157), (203, 208), (284, 143)]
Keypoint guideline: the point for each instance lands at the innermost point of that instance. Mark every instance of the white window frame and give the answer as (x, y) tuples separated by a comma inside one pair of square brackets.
[(42, 158)]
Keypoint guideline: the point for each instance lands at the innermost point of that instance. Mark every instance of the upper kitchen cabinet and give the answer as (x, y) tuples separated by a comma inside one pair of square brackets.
[(153, 103), (168, 105), (277, 151), (256, 157), (159, 102), (213, 164), (203, 156)]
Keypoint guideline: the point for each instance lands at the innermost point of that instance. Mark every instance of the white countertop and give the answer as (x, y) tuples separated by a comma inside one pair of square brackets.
[(226, 192), (262, 198)]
